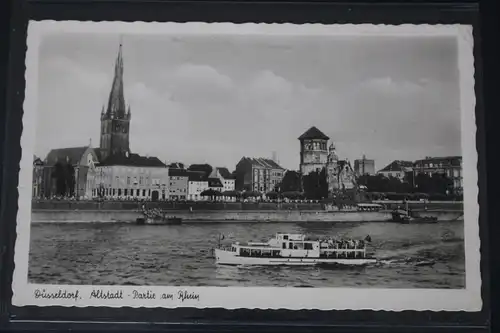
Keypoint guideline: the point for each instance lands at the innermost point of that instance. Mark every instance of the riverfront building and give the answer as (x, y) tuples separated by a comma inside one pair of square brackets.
[(225, 177), (258, 174), (130, 177), (451, 166), (197, 183), (313, 151), (397, 169), (178, 184), (339, 173), (67, 170), (40, 180), (364, 166)]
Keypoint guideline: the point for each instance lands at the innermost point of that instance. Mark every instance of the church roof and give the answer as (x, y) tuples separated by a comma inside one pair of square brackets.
[(72, 154), (313, 133), (133, 160), (116, 102)]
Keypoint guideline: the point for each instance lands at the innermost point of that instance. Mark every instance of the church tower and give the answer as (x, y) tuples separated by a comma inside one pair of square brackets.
[(115, 118), (313, 151)]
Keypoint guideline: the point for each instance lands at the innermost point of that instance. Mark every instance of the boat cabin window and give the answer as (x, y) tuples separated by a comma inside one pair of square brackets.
[(308, 246), (284, 245), (285, 237), (290, 245)]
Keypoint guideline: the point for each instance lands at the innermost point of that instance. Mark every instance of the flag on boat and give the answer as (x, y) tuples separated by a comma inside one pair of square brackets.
[(368, 238)]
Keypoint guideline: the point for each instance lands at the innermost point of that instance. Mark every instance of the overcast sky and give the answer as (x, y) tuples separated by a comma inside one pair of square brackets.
[(198, 99)]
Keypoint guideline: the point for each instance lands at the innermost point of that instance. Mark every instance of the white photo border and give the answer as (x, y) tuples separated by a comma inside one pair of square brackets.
[(467, 299)]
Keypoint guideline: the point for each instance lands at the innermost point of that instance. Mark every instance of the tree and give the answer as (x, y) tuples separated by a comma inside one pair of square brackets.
[(293, 195), (206, 169), (59, 175), (315, 185), (176, 165), (251, 194), (231, 194), (272, 195), (70, 179), (437, 183), (210, 193), (290, 182)]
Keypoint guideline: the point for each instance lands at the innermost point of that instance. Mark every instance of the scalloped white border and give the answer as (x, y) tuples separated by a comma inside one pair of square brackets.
[(468, 299)]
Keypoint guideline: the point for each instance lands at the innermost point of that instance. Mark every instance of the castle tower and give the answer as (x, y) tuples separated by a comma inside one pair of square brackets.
[(115, 119), (313, 151)]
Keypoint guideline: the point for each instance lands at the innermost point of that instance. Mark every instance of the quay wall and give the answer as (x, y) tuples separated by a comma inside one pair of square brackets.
[(67, 216), (224, 206)]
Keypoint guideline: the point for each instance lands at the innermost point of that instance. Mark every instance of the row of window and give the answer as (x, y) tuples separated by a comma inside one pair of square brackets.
[(315, 146)]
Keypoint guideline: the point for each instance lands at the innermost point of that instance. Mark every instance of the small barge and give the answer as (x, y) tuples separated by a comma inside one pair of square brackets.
[(295, 250), (157, 216)]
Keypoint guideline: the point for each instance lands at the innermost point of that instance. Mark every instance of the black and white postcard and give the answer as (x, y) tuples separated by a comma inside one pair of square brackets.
[(271, 166)]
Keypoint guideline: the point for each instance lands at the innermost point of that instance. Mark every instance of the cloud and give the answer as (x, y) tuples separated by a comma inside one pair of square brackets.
[(69, 71), (388, 86), (198, 84)]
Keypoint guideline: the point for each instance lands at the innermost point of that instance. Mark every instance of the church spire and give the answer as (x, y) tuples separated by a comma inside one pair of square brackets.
[(116, 102)]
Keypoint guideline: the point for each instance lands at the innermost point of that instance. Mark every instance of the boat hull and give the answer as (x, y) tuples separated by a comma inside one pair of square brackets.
[(223, 257), (150, 221)]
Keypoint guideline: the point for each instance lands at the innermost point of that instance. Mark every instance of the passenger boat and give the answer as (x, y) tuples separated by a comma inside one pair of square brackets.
[(156, 216), (295, 250)]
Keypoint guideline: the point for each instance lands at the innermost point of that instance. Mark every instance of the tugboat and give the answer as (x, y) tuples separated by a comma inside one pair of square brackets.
[(157, 216), (295, 250), (405, 216)]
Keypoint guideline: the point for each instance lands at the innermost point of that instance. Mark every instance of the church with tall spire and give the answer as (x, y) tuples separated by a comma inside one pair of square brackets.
[(115, 117)]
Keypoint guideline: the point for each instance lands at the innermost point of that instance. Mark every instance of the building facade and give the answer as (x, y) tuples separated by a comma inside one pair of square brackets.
[(39, 179), (62, 164), (397, 169), (227, 179), (450, 166), (313, 151), (364, 166), (178, 185), (339, 173), (130, 177), (258, 174), (197, 183)]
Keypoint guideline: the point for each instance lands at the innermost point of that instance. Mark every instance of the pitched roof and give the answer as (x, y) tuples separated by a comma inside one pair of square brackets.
[(260, 162), (447, 160), (178, 172), (313, 133), (397, 166), (214, 182), (224, 172), (196, 176), (73, 155), (133, 160)]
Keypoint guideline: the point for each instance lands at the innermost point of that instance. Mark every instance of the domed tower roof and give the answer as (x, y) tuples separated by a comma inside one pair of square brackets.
[(313, 133)]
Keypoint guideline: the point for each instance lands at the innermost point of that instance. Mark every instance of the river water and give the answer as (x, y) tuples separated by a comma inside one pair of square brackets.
[(128, 254)]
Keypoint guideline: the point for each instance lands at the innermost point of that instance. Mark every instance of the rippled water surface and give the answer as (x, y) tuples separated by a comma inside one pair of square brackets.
[(127, 254)]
